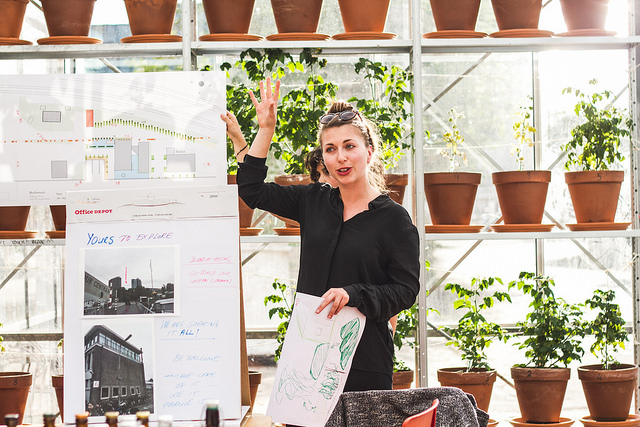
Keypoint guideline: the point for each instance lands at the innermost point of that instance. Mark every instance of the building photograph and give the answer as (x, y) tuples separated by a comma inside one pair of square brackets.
[(118, 360), (124, 281)]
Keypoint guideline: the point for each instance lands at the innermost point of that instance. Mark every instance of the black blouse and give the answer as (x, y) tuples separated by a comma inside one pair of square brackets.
[(374, 256)]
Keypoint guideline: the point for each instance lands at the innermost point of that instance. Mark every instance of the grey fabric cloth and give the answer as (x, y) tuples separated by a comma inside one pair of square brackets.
[(389, 408)]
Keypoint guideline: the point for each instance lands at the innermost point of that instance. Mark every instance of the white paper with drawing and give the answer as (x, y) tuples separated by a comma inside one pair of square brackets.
[(315, 362)]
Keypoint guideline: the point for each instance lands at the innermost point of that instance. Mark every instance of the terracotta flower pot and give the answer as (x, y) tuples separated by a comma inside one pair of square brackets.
[(14, 218), (479, 383), (540, 392), (594, 194), (293, 227), (59, 215), (245, 212), (451, 196), (228, 16), (150, 16), (608, 392), (402, 379), (12, 17), (455, 14), (522, 195), (511, 15), (356, 18), (14, 390), (297, 16), (68, 17), (57, 381), (584, 14), (396, 183)]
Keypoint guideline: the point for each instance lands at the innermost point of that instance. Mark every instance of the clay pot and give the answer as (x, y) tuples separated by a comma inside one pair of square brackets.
[(396, 183), (455, 14), (522, 195), (255, 378), (12, 17), (584, 14), (57, 381), (296, 179), (68, 17), (478, 382), (296, 16), (402, 379), (228, 16), (540, 392), (245, 212), (451, 196), (14, 390), (356, 18), (59, 215), (594, 194), (14, 218), (511, 15), (608, 392), (150, 16)]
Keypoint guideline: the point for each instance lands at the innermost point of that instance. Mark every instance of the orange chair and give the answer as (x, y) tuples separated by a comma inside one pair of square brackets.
[(426, 418)]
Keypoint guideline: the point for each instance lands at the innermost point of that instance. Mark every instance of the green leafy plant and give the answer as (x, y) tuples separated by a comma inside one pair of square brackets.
[(305, 97), (453, 139), (474, 333), (553, 329), (389, 106), (283, 307), (1, 339), (523, 132), (608, 327), (595, 144)]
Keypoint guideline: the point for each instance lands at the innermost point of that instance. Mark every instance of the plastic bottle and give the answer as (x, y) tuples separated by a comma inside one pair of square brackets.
[(212, 414), (112, 418), (11, 420), (49, 420)]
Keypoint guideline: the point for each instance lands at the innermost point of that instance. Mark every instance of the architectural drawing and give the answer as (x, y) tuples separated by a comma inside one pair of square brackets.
[(315, 362), (76, 132)]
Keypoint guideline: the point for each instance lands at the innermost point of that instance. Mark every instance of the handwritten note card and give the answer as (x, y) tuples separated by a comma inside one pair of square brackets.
[(315, 362), (152, 306)]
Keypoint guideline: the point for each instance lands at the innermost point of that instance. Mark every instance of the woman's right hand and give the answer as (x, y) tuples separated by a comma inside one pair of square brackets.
[(267, 107)]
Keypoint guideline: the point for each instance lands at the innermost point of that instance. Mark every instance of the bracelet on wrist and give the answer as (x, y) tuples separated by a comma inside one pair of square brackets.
[(242, 149)]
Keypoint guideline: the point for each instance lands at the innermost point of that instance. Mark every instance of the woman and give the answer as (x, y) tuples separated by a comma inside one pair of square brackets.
[(358, 247)]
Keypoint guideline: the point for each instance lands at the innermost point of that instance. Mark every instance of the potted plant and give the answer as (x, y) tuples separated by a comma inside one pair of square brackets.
[(389, 106), (299, 18), (608, 386), (522, 193), (514, 16), (451, 195), (226, 18), (461, 18), (406, 325), (472, 336), (68, 20), (585, 18), (366, 21), (552, 334), (14, 390), (151, 20), (593, 149), (11, 19)]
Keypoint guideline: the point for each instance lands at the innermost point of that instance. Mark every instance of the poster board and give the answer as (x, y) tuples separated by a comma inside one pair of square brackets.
[(152, 319), (102, 131)]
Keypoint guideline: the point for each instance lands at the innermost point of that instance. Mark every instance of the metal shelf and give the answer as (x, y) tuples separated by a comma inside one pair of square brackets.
[(550, 235), (533, 44), (328, 47), (32, 242)]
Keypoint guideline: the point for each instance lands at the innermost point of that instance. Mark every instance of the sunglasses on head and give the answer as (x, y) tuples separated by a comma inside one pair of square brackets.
[(344, 116)]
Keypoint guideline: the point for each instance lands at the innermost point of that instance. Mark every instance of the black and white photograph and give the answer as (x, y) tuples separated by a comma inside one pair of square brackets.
[(123, 281), (119, 366)]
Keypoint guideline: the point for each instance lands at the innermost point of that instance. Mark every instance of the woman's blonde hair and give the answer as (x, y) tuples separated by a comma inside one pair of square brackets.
[(369, 132)]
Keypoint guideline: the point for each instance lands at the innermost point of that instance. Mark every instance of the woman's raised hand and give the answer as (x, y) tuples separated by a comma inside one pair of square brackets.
[(267, 107)]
